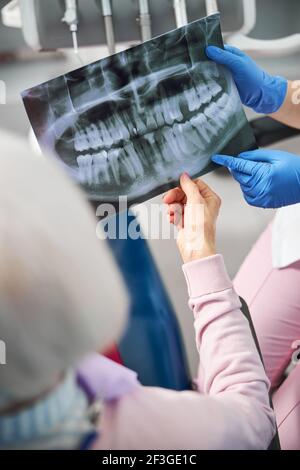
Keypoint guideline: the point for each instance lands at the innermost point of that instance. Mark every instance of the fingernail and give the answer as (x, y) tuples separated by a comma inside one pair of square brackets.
[(186, 175)]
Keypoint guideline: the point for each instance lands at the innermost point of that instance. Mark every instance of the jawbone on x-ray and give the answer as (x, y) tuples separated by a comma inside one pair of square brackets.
[(131, 123)]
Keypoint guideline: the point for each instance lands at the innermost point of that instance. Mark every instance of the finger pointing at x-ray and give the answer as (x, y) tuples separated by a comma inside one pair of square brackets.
[(268, 178)]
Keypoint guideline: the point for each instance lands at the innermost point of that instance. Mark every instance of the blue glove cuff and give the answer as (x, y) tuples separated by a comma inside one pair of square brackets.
[(272, 95)]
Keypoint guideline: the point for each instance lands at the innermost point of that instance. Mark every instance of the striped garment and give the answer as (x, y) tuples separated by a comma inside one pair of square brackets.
[(60, 421)]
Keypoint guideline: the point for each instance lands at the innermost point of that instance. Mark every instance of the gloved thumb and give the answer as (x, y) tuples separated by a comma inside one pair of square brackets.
[(223, 57)]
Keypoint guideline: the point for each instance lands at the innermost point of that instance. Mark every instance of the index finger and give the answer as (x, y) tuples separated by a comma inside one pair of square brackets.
[(235, 163)]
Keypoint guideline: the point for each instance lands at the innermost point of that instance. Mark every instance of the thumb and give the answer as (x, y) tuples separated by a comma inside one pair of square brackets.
[(190, 189), (235, 163), (223, 57)]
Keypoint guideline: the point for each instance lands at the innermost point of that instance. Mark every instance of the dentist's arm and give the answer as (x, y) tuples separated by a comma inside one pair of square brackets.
[(289, 112), (258, 90)]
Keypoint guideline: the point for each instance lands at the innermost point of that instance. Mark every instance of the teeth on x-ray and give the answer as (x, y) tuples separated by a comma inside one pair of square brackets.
[(108, 150), (131, 123)]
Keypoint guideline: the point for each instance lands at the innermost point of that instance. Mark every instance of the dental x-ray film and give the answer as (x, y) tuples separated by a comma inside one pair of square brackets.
[(132, 123)]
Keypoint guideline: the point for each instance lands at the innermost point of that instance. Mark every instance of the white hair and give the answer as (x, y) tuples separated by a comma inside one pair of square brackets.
[(61, 294)]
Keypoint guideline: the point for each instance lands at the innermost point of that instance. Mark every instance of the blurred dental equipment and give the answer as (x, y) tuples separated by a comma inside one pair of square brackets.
[(109, 28), (145, 20), (180, 13), (71, 19), (211, 7), (133, 20)]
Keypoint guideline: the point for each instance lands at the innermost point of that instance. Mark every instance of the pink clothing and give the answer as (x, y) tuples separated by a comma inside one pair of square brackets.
[(231, 408), (273, 297), (101, 377)]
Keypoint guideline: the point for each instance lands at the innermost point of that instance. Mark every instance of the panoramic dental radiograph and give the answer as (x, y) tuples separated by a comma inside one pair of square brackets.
[(131, 123)]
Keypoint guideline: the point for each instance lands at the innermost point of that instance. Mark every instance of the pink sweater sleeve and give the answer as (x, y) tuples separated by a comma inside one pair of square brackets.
[(231, 408)]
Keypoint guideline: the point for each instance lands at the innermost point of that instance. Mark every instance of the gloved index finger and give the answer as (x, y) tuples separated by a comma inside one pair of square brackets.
[(235, 163)]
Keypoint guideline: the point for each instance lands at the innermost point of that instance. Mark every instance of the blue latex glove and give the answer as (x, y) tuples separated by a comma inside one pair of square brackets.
[(268, 178), (262, 92)]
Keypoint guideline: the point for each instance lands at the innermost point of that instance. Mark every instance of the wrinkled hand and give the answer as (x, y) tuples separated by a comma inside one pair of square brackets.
[(194, 208), (258, 90), (268, 178)]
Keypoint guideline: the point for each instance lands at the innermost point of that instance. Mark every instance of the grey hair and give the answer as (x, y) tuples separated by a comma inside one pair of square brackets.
[(61, 294)]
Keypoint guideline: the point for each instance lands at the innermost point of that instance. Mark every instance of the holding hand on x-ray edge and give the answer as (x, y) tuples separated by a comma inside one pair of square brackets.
[(268, 178)]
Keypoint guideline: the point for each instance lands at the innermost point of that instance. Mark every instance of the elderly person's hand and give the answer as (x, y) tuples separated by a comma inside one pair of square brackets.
[(194, 208)]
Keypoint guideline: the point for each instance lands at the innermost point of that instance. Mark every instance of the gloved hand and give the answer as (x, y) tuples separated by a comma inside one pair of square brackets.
[(268, 178), (258, 90)]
